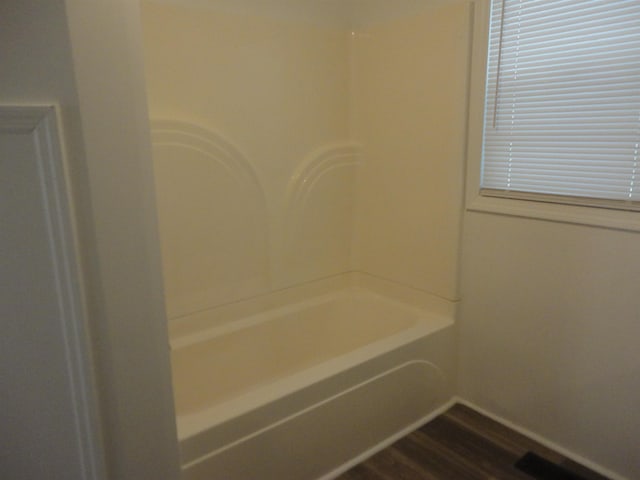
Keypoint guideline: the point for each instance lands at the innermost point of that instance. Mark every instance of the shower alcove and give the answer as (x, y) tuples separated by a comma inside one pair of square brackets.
[(308, 159)]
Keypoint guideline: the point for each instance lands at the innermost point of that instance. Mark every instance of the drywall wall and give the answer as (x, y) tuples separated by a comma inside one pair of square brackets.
[(549, 318), (132, 344), (82, 56), (548, 332), (409, 97)]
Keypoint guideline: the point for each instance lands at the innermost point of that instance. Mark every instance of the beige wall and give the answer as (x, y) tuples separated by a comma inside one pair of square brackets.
[(409, 94)]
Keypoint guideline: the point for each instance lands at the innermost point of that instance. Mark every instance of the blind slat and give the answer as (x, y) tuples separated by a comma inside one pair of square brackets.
[(562, 114)]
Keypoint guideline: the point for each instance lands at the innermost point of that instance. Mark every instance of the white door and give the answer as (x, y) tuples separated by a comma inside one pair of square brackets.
[(48, 426)]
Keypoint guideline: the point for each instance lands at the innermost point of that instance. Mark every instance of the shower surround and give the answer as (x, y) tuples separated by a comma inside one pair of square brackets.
[(299, 155)]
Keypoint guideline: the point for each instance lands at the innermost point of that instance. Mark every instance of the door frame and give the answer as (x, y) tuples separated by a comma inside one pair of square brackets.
[(41, 124)]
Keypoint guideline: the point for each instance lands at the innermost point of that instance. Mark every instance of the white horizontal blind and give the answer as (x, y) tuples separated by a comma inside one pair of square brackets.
[(562, 114)]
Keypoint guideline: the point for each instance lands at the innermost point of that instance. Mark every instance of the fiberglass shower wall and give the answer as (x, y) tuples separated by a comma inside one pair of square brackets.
[(409, 112), (290, 147)]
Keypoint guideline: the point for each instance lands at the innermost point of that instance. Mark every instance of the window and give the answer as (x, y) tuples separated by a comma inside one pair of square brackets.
[(562, 102)]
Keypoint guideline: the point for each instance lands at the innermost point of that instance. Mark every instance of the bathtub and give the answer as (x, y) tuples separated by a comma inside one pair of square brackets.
[(305, 386)]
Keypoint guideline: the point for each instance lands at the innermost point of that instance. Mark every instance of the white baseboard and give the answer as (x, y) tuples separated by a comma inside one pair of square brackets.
[(517, 428), (543, 441)]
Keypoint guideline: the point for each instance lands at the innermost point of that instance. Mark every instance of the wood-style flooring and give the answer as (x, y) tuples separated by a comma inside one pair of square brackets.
[(460, 444)]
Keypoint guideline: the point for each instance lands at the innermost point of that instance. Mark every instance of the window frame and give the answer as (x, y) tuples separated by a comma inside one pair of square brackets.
[(536, 207)]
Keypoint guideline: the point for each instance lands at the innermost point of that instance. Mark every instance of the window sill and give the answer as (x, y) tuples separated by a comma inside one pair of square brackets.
[(577, 215)]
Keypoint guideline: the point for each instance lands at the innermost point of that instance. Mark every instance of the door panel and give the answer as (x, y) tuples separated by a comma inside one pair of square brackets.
[(44, 411)]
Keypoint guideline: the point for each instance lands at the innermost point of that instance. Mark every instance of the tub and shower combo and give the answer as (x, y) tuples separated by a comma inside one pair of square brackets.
[(308, 173)]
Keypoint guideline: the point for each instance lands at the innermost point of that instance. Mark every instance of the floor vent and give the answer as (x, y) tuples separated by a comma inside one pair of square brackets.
[(543, 469)]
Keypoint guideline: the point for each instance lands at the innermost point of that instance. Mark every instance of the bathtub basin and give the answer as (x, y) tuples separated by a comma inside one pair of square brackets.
[(305, 389)]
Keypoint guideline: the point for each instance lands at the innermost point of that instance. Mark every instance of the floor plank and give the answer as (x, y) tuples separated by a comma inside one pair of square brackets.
[(438, 463), (489, 458), (499, 434), (460, 444)]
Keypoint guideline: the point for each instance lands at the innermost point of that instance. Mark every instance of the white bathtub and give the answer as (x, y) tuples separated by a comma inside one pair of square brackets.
[(300, 391)]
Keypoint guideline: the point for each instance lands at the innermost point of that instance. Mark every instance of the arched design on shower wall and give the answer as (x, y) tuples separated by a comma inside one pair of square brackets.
[(213, 218), (317, 164), (319, 213)]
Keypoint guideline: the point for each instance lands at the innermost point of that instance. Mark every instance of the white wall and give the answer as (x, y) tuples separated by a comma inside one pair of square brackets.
[(84, 56), (549, 322), (549, 332)]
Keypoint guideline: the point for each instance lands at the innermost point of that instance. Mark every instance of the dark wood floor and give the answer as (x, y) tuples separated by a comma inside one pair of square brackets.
[(460, 444)]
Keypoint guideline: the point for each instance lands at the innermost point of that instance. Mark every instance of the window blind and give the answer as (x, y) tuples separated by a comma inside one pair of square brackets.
[(562, 110)]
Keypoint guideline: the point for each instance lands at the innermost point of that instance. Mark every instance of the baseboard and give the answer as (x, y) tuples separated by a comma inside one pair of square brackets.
[(541, 440), (389, 441)]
